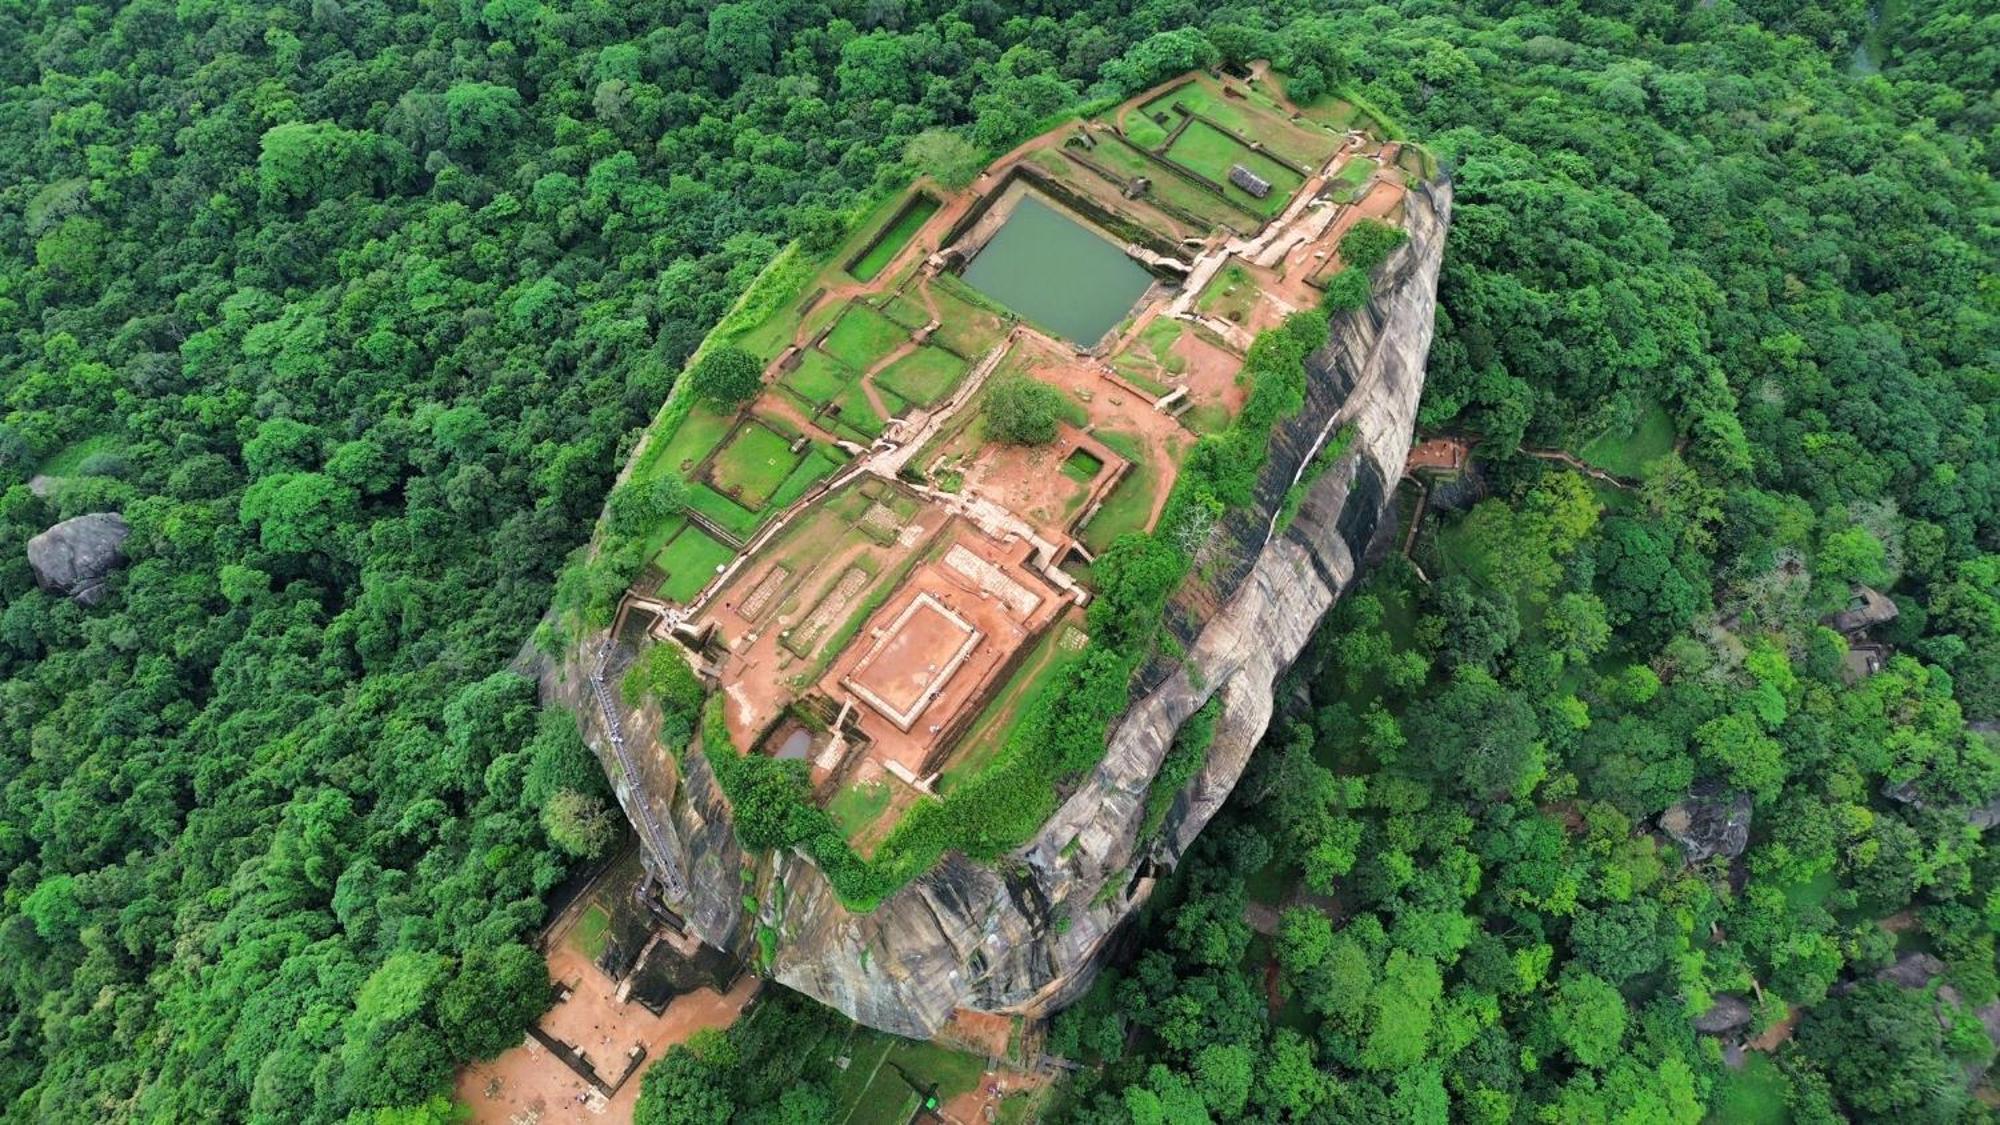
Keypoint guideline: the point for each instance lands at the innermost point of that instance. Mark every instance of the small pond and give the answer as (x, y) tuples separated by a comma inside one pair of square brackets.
[(796, 745), (1057, 273)]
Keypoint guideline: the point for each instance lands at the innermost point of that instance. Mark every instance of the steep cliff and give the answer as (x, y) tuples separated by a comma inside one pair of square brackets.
[(1025, 935)]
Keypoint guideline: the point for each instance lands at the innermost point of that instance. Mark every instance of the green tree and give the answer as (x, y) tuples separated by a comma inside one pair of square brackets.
[(1021, 411), (726, 377)]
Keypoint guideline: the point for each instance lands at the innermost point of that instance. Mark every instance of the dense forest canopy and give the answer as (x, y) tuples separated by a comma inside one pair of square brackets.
[(352, 308)]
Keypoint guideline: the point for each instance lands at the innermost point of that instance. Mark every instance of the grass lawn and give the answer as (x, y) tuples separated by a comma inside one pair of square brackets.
[(1212, 152), (856, 806), (753, 465), (727, 514), (1172, 188), (1627, 455), (862, 336), (858, 415), (700, 431), (964, 327), (888, 1100), (894, 239), (1231, 295), (1152, 353), (1128, 508), (988, 734), (955, 1072), (1146, 130), (818, 463), (1257, 119), (1347, 184), (1207, 418), (592, 931), (818, 378), (924, 376), (690, 560), (865, 1052), (1754, 1095)]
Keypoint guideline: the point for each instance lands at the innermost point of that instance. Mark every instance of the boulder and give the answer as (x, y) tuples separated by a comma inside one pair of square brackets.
[(74, 557), (1912, 970), (1725, 1015), (1711, 822)]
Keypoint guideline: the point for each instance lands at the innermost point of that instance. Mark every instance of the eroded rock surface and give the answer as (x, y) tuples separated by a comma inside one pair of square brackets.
[(76, 557), (1026, 934)]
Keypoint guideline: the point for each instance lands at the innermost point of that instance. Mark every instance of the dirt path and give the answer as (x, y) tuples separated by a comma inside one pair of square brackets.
[(868, 386), (779, 406)]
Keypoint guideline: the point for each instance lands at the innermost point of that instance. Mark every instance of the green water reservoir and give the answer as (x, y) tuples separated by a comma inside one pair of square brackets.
[(1057, 273)]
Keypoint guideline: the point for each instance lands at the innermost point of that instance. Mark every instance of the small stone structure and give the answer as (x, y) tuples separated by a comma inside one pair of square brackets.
[(1249, 181), (76, 556)]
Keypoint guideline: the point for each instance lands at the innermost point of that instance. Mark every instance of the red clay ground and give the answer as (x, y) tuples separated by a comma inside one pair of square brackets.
[(920, 652), (526, 1085)]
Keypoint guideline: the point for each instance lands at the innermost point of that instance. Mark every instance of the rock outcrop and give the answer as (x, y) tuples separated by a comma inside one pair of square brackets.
[(75, 557), (1710, 822), (1725, 1015), (1027, 934)]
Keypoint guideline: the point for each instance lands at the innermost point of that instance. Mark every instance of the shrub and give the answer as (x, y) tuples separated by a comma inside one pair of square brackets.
[(1345, 291), (1369, 243)]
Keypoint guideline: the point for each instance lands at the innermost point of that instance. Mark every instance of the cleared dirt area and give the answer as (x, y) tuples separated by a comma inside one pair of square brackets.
[(530, 1084)]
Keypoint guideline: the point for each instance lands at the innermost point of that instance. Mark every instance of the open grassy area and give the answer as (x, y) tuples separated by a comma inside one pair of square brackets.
[(1172, 188), (819, 462), (752, 466), (1754, 1095), (1349, 182), (1259, 118), (727, 514), (862, 336), (1144, 128), (818, 378), (1212, 152), (988, 733), (856, 806), (858, 419), (865, 1052), (700, 430), (1627, 455), (1127, 508), (895, 238), (1082, 466), (924, 376), (592, 931), (690, 559), (1231, 295)]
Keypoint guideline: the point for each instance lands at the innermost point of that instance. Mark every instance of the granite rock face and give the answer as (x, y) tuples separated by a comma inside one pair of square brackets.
[(75, 557), (1027, 934)]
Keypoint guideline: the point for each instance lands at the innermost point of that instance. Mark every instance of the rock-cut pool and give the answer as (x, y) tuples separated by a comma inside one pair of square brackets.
[(1051, 269)]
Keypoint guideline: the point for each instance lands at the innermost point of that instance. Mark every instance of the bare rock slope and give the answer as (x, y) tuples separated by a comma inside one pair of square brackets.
[(1026, 935)]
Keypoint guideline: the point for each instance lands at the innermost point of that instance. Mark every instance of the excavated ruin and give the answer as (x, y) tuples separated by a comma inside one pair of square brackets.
[(1027, 935)]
